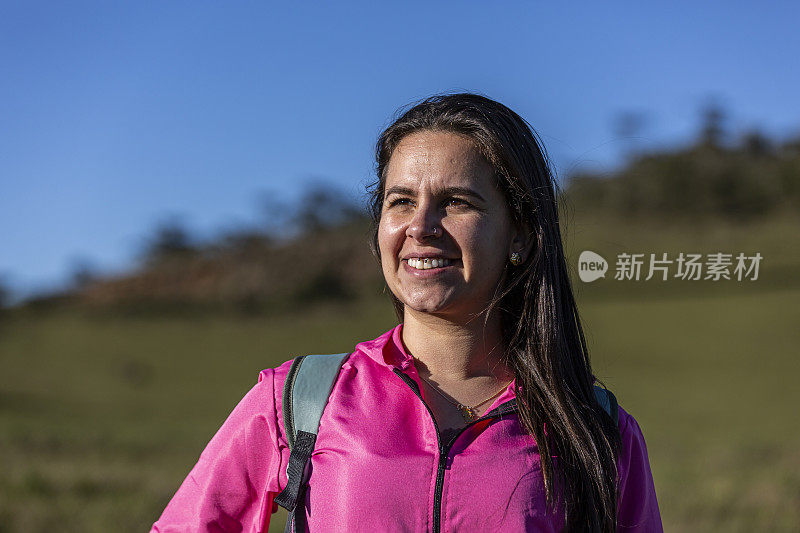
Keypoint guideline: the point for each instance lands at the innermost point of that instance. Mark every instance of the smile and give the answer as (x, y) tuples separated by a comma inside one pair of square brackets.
[(428, 263)]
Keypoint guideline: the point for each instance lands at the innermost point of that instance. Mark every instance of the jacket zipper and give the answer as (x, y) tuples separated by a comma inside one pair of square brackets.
[(444, 448)]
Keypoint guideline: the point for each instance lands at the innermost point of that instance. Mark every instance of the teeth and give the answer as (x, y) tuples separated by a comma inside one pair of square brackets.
[(427, 263)]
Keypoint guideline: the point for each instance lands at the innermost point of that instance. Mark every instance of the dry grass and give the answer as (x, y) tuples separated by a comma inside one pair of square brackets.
[(101, 419)]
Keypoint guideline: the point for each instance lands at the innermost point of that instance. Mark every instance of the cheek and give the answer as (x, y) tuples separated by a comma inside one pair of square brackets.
[(486, 247), (483, 239), (389, 239)]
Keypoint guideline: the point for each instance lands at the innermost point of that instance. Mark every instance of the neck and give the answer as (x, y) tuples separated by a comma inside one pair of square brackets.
[(455, 351)]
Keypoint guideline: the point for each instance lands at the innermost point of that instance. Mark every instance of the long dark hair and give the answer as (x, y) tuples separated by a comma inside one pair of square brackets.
[(542, 333)]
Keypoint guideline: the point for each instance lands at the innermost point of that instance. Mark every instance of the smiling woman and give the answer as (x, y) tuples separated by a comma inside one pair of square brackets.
[(479, 411), (442, 204)]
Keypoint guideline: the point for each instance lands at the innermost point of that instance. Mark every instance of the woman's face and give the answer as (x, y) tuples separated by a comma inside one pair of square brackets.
[(445, 232)]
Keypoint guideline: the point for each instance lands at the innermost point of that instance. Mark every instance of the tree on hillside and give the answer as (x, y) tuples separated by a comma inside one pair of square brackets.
[(171, 239), (756, 144), (82, 273), (5, 293), (738, 181), (628, 127), (712, 129), (274, 214), (242, 241), (323, 206)]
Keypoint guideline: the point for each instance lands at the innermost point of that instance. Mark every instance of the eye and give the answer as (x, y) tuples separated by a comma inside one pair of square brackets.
[(399, 201), (456, 202)]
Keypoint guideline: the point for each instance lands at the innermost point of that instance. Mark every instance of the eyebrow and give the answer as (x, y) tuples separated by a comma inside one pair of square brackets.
[(447, 191)]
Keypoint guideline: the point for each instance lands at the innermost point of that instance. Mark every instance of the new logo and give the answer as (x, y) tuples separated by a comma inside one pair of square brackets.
[(591, 266)]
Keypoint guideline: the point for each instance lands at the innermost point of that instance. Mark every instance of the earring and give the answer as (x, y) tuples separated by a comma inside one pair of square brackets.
[(516, 258)]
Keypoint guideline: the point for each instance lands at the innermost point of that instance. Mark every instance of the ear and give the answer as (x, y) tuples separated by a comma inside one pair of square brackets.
[(522, 241)]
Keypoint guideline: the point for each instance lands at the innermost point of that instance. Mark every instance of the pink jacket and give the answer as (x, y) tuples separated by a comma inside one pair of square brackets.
[(377, 463)]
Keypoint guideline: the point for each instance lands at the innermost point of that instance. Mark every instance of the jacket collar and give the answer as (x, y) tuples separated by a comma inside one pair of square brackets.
[(388, 350)]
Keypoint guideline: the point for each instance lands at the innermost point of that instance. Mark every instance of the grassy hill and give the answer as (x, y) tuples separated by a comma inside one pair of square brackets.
[(109, 393), (103, 415)]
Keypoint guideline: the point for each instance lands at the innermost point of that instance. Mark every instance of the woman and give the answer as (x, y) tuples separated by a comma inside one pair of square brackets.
[(477, 412)]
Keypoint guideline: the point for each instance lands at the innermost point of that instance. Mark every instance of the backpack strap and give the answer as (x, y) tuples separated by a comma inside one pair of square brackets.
[(608, 402), (305, 394)]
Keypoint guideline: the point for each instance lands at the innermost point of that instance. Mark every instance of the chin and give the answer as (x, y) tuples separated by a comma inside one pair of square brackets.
[(443, 308), (426, 304), (446, 308), (425, 307)]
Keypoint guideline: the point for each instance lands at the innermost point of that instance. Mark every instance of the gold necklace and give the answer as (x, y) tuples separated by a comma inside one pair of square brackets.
[(467, 412)]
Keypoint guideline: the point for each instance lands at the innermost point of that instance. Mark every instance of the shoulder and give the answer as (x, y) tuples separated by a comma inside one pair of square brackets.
[(275, 377), (272, 381), (638, 506), (632, 438), (266, 394), (627, 423), (633, 462)]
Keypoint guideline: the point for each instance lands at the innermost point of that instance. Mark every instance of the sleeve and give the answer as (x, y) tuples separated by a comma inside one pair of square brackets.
[(637, 507), (231, 488)]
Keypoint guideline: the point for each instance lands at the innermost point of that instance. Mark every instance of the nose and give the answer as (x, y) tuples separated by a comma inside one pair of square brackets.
[(425, 224)]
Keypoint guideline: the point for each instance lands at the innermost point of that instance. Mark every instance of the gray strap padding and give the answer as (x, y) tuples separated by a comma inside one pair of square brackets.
[(312, 386), (305, 394), (602, 399), (608, 402)]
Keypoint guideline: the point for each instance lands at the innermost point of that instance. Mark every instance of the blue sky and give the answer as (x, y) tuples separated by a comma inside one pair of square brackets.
[(114, 116)]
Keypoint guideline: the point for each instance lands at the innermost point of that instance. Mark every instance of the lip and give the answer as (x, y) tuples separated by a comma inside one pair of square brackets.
[(423, 255), (428, 272)]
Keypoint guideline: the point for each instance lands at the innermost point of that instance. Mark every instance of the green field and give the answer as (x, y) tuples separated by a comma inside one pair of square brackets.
[(102, 418)]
